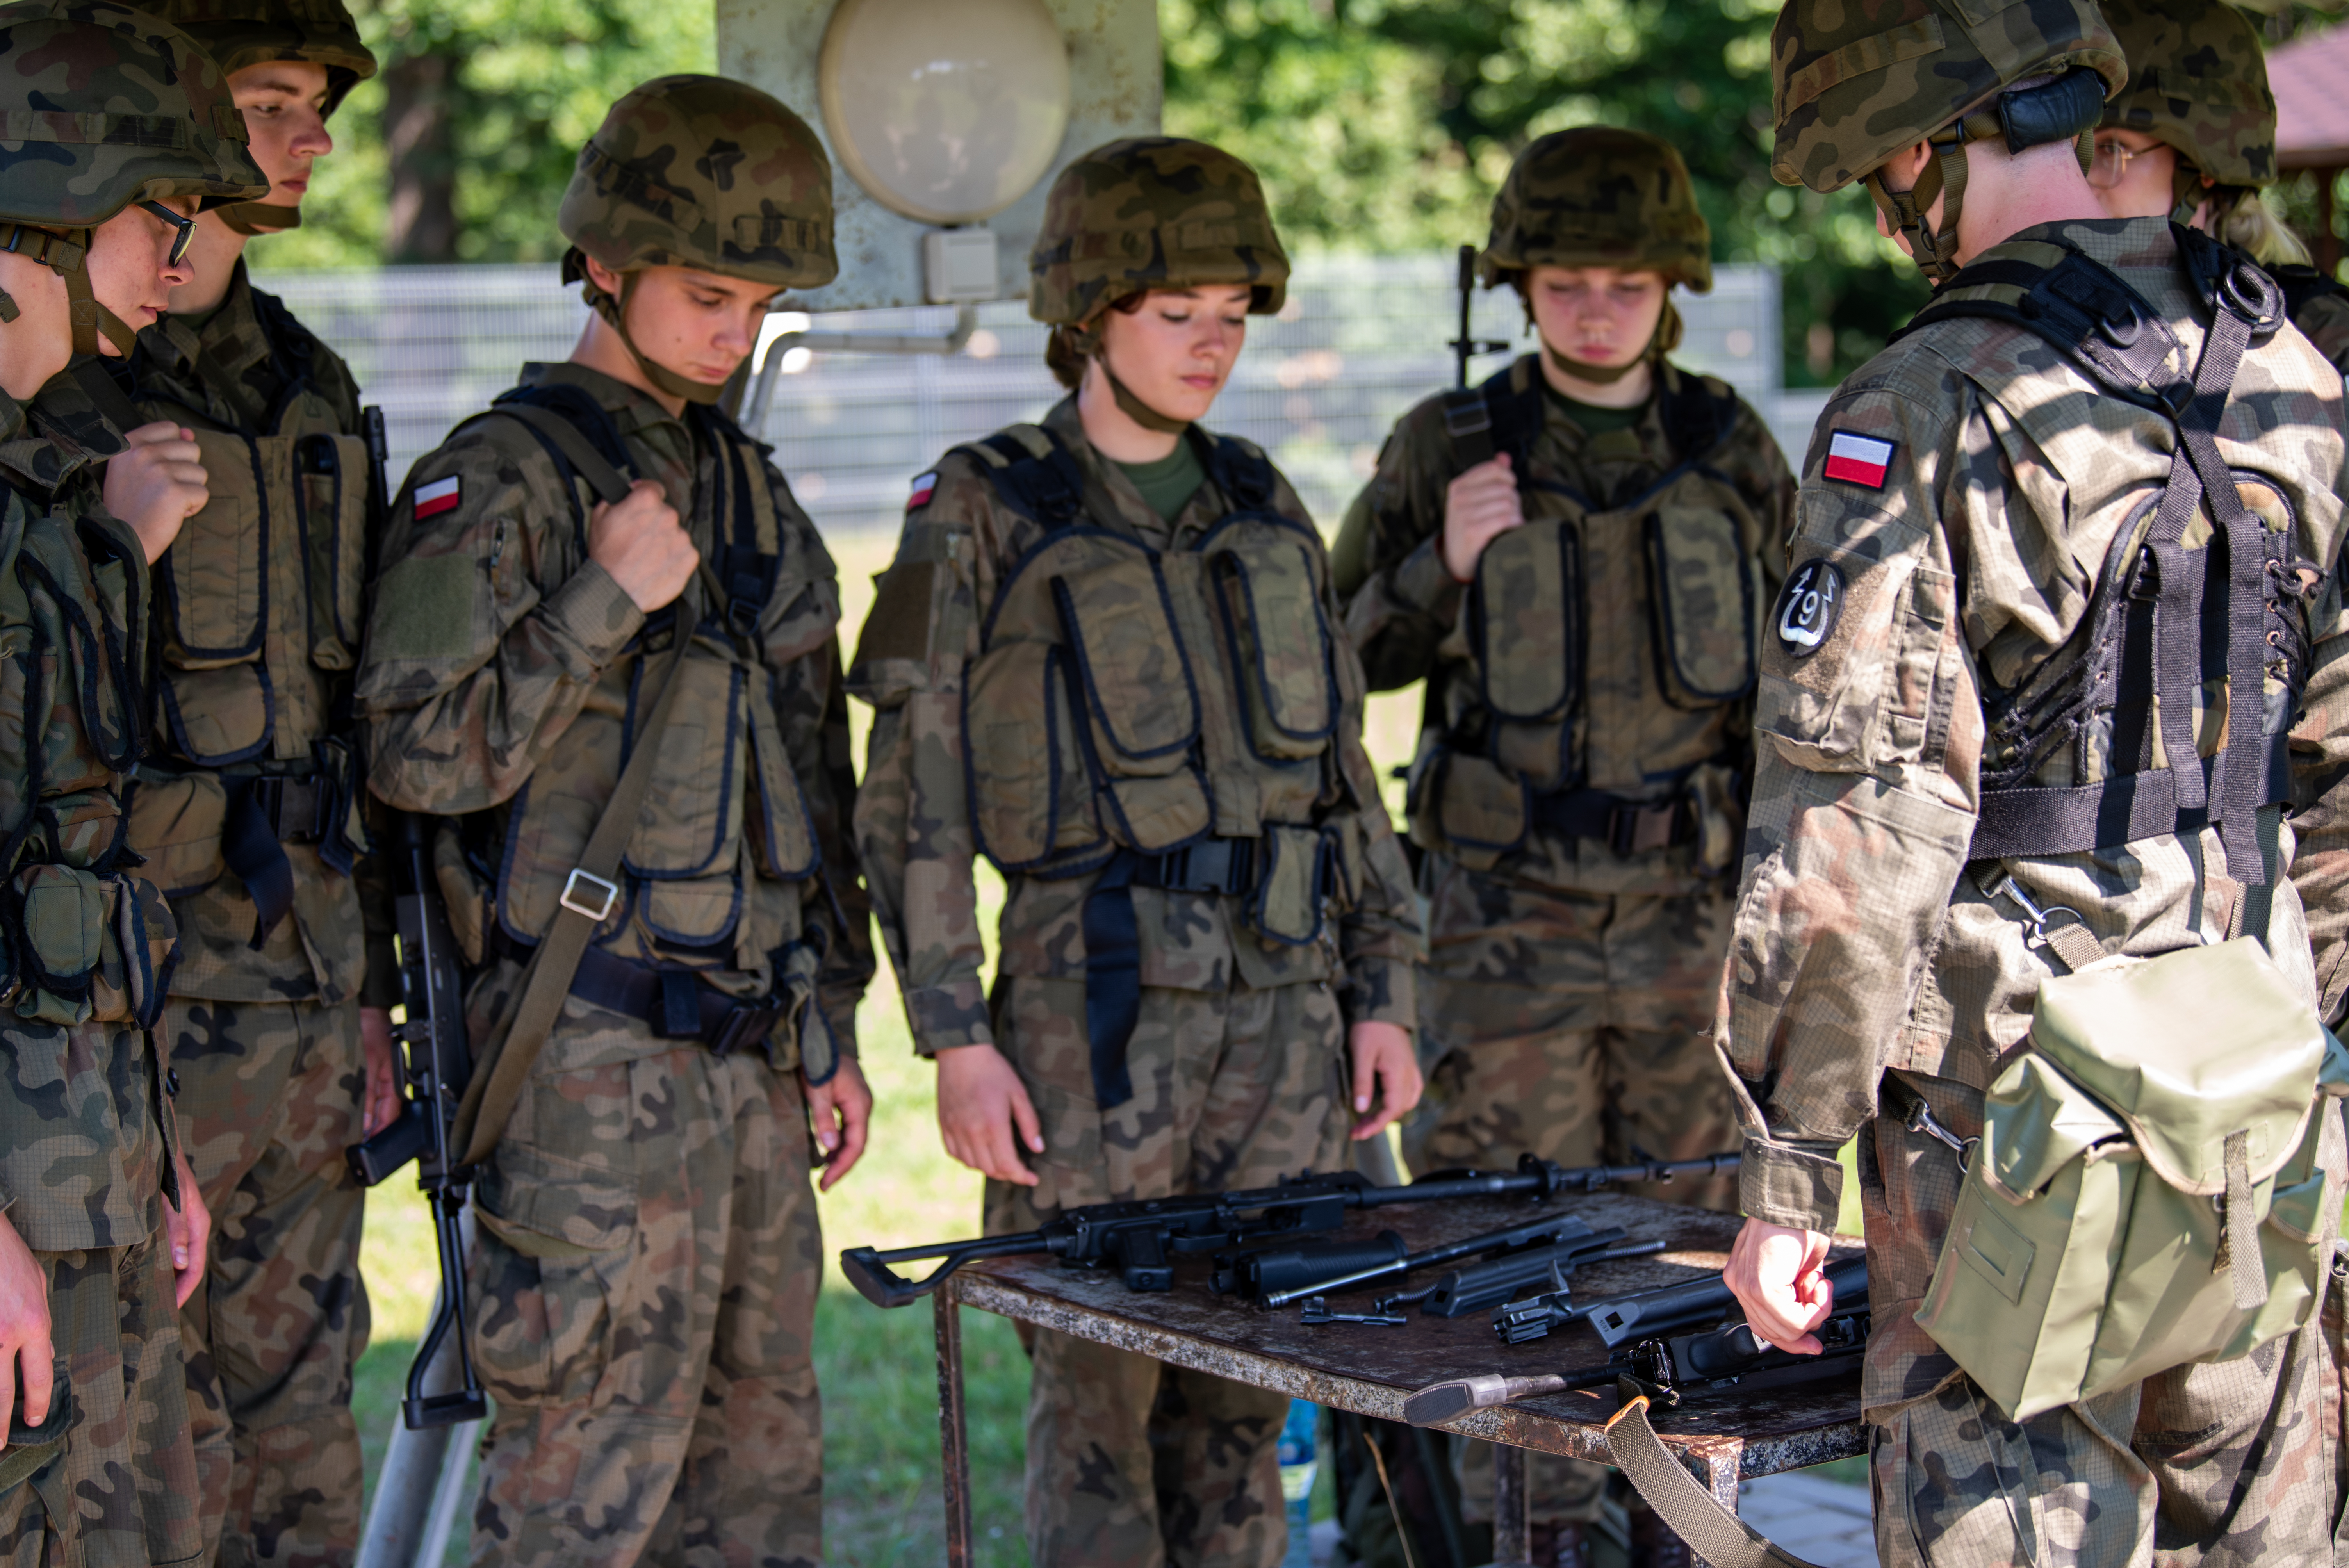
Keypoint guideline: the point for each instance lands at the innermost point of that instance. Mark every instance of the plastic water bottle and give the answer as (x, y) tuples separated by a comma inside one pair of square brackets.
[(1297, 1464)]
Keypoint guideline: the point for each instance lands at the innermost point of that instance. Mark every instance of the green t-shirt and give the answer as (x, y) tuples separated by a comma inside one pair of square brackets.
[(1169, 483), (1595, 420)]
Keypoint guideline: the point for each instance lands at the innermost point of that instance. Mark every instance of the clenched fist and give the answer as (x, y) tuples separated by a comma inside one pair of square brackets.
[(638, 539), (157, 483), (1479, 506)]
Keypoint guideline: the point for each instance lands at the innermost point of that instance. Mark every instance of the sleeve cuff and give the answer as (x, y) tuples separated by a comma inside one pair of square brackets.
[(946, 1017), (1782, 1184), (594, 611), (1381, 991), (1424, 582)]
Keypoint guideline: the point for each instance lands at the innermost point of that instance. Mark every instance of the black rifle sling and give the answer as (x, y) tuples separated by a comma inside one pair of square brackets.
[(2106, 329)]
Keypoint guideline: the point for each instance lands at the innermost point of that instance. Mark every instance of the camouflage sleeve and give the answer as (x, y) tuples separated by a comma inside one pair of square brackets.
[(372, 876), (2320, 822), (489, 627), (1399, 598), (2325, 320), (821, 755), (913, 822), (1866, 784)]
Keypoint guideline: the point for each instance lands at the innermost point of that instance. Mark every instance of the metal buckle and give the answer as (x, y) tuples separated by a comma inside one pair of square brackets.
[(571, 885), (2035, 919)]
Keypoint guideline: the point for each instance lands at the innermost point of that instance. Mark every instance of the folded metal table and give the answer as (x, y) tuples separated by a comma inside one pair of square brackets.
[(1724, 1437)]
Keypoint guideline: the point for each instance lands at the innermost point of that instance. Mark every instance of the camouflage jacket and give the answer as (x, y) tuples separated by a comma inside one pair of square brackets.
[(920, 661), (501, 678), (259, 601), (81, 1144), (1632, 626), (1860, 945)]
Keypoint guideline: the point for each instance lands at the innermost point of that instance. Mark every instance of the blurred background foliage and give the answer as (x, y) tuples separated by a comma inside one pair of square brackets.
[(1378, 125)]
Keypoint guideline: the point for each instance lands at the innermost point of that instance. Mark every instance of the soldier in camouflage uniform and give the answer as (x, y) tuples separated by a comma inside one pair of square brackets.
[(1576, 832), (248, 815), (1106, 659), (2193, 136), (645, 1271), (119, 127), (1957, 505)]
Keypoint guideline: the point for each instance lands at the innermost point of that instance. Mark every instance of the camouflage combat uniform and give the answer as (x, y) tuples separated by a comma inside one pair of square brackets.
[(1959, 499), (252, 781), (1238, 735), (646, 1266), (86, 1135)]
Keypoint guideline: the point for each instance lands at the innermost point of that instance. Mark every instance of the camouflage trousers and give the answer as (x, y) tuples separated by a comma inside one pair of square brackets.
[(643, 1286), (2199, 1466), (1132, 1464), (118, 1488), (269, 1098), (1570, 1024)]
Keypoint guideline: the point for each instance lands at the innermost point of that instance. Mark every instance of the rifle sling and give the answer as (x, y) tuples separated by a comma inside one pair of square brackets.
[(490, 1098), (1714, 1533)]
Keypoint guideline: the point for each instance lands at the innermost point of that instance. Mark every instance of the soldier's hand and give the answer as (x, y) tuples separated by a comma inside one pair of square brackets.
[(379, 1102), (1479, 506), (191, 1231), (157, 483), (985, 1116), (840, 1110), (1778, 1275), (25, 1348), (1386, 1076), (638, 539)]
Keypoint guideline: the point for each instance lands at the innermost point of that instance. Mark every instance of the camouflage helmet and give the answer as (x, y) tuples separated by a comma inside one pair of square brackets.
[(1852, 85), (241, 33), (2199, 81), (1153, 212), (1599, 197), (107, 107)]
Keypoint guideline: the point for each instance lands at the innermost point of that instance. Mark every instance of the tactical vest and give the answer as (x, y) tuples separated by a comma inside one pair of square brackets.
[(710, 872), (1507, 745), (83, 938), (258, 615), (2132, 733), (1175, 705)]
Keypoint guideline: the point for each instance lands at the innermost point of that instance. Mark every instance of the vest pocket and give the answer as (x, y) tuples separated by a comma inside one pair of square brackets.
[(1280, 649), (91, 944), (1137, 676), (220, 715), (1469, 803), (692, 815), (1525, 621), (176, 822), (215, 577), (1031, 797), (1293, 887), (329, 483), (783, 835), (1702, 581)]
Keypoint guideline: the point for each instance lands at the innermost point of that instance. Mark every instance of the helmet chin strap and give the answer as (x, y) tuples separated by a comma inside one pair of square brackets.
[(1134, 408), (1661, 342), (66, 253), (1944, 175), (615, 312), (250, 218)]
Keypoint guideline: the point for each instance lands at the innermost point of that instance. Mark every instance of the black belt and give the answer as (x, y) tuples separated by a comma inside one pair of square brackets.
[(290, 806), (674, 1002), (1628, 827), (1211, 865)]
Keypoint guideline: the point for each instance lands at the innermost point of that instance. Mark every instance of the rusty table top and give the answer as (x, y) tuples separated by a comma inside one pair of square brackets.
[(1370, 1369)]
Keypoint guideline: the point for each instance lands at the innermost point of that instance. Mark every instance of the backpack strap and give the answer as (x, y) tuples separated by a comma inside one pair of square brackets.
[(576, 430), (2090, 314)]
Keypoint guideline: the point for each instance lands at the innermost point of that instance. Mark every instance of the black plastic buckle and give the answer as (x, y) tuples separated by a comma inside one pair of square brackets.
[(744, 1025), (1641, 829)]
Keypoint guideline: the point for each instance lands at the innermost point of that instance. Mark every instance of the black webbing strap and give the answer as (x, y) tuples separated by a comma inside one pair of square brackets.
[(1696, 1516), (556, 426), (1047, 489), (1113, 977)]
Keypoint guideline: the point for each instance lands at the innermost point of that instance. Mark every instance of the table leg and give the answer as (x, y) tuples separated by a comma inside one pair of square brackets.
[(1512, 1532), (953, 1443)]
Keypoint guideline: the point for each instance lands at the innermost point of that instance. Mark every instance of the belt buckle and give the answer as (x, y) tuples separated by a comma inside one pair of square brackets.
[(571, 886), (1623, 831), (743, 1023)]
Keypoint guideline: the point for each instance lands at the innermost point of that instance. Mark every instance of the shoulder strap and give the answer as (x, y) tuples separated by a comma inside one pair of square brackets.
[(98, 383), (1696, 1516), (1697, 418), (2302, 284), (564, 442), (1241, 470), (530, 1018), (1034, 473), (1493, 418)]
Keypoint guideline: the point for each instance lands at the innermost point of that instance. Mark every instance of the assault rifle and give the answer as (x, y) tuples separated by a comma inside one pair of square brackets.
[(1647, 1313), (1465, 347), (1141, 1238), (1667, 1368), (1276, 1279), (438, 1063)]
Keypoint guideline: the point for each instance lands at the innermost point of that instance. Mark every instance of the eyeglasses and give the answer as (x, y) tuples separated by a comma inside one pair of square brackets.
[(2110, 165), (181, 240)]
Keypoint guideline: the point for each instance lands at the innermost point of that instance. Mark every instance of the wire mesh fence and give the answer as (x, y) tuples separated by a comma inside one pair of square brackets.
[(1360, 340)]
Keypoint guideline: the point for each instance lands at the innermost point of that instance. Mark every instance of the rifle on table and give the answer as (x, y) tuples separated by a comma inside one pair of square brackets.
[(1465, 347), (438, 1063), (1619, 1317), (1667, 1368), (1141, 1238), (1278, 1279)]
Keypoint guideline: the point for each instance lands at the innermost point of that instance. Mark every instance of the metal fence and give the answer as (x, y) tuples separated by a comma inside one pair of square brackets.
[(1360, 340)]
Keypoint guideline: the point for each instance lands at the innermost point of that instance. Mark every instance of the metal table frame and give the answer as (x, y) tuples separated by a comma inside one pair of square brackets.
[(1719, 1460)]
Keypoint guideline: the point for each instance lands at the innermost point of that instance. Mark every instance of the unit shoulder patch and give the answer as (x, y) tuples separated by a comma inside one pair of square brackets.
[(1858, 459), (1809, 607)]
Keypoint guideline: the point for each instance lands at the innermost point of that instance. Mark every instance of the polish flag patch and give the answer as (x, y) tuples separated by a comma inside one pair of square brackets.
[(437, 497), (924, 485), (1858, 459)]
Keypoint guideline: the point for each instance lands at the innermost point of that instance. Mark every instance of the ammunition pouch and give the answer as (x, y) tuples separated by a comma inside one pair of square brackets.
[(90, 947)]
